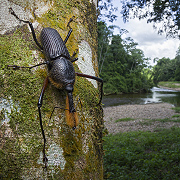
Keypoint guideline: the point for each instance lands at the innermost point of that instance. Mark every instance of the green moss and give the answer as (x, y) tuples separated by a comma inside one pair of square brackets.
[(23, 88)]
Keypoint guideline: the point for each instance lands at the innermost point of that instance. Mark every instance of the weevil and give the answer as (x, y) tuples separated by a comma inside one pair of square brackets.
[(61, 73)]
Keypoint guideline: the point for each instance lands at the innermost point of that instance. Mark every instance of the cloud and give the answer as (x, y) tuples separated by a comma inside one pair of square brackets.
[(143, 32), (167, 49), (152, 44)]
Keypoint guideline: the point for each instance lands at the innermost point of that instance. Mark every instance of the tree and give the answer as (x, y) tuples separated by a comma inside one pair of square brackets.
[(72, 154), (122, 63), (104, 34), (106, 10), (164, 70), (166, 11), (167, 69), (177, 60)]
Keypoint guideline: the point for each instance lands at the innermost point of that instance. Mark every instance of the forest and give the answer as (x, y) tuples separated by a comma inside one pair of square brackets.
[(122, 65), (167, 69), (124, 68)]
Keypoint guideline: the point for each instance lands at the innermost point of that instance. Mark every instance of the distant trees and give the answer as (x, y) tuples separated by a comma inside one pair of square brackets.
[(167, 69), (121, 64)]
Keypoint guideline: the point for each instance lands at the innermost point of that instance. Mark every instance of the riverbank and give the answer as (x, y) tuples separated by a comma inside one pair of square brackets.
[(164, 87), (172, 85), (148, 117)]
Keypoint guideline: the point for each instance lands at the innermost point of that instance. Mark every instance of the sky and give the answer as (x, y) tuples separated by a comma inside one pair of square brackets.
[(152, 44)]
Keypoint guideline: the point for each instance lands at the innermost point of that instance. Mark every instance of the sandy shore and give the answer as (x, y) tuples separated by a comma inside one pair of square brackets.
[(141, 115)]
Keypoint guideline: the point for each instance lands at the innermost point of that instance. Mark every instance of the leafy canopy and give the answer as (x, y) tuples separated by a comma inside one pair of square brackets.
[(165, 14), (121, 63)]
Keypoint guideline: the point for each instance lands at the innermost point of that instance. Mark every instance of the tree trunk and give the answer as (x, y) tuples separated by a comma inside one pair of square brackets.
[(72, 154)]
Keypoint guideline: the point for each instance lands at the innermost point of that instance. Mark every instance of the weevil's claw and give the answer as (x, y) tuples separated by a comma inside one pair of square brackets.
[(45, 160), (11, 11), (71, 19), (73, 60)]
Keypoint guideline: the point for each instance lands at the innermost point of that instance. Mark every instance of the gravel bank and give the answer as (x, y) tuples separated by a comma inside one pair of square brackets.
[(176, 89), (141, 115)]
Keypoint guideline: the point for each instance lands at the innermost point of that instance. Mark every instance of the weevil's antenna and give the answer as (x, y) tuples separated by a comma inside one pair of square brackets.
[(70, 31), (14, 14), (30, 25)]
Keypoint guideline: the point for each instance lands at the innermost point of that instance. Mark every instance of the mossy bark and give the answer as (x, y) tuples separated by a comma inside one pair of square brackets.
[(72, 154)]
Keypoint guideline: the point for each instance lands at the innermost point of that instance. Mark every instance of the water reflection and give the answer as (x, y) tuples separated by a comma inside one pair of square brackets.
[(156, 96)]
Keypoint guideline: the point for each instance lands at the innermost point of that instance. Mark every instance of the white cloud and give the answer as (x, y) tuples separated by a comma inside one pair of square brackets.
[(167, 49), (153, 44)]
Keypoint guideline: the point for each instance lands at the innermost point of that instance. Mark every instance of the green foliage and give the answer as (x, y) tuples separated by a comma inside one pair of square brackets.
[(143, 155), (177, 109), (176, 116), (164, 70), (167, 69), (166, 11), (177, 71), (121, 64)]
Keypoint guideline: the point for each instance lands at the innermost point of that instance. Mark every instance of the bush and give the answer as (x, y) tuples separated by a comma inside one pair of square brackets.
[(116, 84)]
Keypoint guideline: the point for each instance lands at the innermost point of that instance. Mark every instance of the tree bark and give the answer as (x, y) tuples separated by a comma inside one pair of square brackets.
[(72, 154)]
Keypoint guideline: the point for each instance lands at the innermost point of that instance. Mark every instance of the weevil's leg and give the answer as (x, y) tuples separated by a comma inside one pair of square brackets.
[(79, 100), (74, 53), (15, 67), (40, 118), (70, 31), (30, 25), (34, 35), (95, 78), (68, 35), (53, 112)]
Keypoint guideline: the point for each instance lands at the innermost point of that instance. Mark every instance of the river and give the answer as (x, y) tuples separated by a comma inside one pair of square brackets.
[(157, 95)]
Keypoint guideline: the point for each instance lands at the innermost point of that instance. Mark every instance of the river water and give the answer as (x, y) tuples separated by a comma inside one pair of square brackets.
[(157, 95)]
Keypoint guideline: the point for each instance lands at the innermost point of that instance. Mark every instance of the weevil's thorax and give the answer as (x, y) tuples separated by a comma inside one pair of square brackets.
[(61, 73), (53, 45)]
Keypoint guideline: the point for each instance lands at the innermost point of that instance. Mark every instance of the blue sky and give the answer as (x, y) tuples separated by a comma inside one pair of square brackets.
[(152, 44)]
